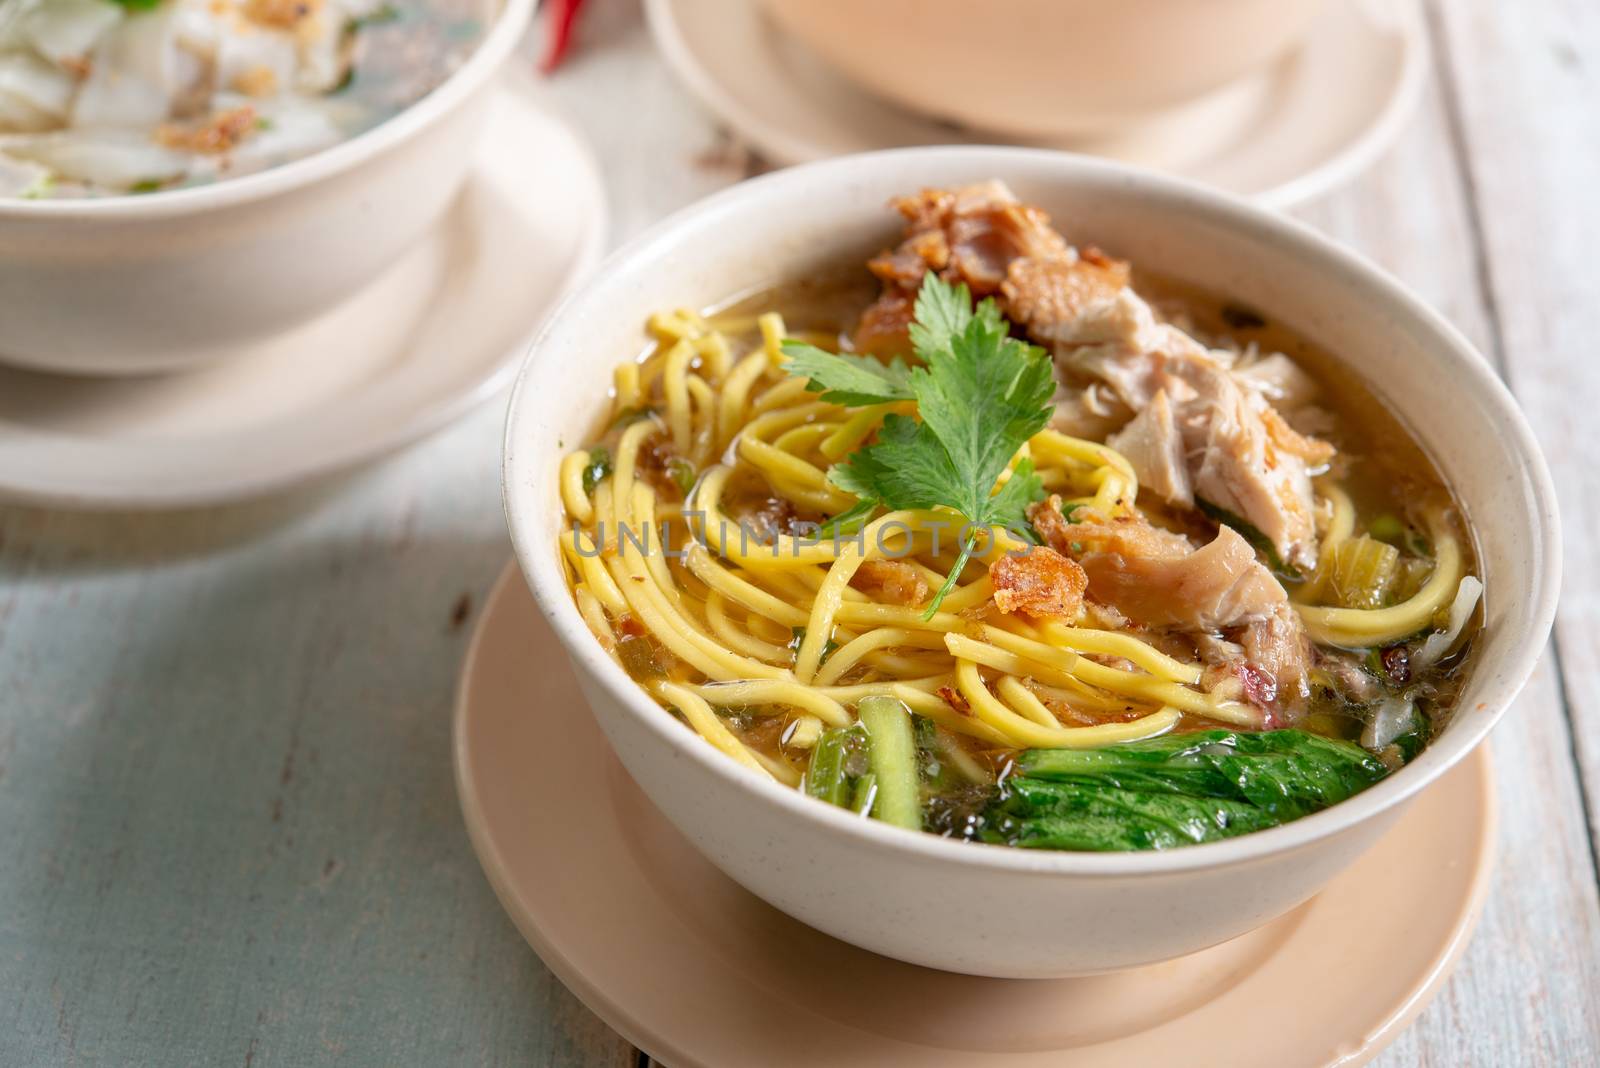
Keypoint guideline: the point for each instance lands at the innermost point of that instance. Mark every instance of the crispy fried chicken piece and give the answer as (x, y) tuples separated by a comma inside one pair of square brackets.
[(1063, 289), (884, 328), (971, 235), (891, 581), (1040, 583)]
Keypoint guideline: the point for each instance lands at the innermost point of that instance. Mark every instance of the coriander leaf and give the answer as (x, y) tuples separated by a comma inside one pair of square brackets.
[(848, 379), (982, 397), (943, 312), (857, 480), (848, 521), (1009, 506), (906, 467)]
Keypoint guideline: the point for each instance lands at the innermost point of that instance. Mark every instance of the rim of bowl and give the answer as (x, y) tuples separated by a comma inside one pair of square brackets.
[(1531, 625), (480, 67)]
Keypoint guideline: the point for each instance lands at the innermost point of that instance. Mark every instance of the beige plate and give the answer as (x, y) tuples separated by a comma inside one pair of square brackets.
[(696, 971), (1311, 121), (442, 330)]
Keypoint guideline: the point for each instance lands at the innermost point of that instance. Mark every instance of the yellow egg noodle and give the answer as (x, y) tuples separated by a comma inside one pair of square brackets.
[(775, 623)]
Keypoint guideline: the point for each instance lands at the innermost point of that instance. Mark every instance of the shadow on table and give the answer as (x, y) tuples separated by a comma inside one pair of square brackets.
[(68, 539), (236, 827)]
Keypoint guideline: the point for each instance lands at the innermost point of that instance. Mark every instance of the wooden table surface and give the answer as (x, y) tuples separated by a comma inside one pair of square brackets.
[(228, 831)]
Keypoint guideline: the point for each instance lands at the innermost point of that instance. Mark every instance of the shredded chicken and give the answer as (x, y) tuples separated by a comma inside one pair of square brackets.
[(1280, 380), (1093, 412), (1041, 583), (892, 581), (1153, 444), (1158, 578), (1212, 435)]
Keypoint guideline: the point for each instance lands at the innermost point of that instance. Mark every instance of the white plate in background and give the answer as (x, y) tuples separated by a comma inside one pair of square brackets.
[(1310, 121)]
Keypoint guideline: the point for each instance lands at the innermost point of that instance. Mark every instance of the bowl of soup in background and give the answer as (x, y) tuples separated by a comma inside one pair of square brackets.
[(159, 281), (1044, 68), (994, 910)]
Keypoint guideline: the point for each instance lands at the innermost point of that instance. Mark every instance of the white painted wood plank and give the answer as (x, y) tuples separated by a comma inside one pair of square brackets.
[(1528, 988), (658, 151), (229, 829), (1527, 80)]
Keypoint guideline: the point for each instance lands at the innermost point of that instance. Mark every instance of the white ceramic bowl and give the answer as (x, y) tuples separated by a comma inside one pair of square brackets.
[(133, 284), (1045, 68), (983, 909)]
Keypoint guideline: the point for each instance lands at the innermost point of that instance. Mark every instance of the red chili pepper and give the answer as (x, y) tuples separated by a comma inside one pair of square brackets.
[(563, 16)]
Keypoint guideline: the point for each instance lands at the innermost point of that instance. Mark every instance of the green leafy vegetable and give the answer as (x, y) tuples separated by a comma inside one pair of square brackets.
[(1252, 534), (1176, 790), (847, 379), (630, 416), (848, 521), (1414, 740), (597, 470), (866, 792), (138, 5), (893, 756), (799, 636), (1070, 815), (682, 473), (838, 760), (980, 395), (1363, 571), (1387, 528)]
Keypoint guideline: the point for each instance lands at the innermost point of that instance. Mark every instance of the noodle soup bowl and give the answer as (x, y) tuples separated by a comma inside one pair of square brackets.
[(991, 910), (122, 285)]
